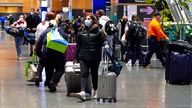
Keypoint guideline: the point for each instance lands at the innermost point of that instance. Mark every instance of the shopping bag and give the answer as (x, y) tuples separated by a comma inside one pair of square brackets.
[(31, 68), (55, 41)]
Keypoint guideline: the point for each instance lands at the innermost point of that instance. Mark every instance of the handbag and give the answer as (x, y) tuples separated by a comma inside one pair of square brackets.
[(55, 41), (15, 32), (115, 65), (31, 69), (30, 37)]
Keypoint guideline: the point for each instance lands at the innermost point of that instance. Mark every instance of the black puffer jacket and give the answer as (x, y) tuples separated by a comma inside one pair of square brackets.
[(90, 42)]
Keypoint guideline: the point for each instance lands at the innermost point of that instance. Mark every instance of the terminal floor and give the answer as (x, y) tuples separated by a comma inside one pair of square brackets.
[(137, 87)]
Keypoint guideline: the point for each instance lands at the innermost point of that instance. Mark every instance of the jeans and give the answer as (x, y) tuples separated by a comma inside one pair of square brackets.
[(18, 43)]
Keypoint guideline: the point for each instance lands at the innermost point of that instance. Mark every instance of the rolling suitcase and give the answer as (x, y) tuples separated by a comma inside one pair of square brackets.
[(73, 78), (178, 68), (106, 81)]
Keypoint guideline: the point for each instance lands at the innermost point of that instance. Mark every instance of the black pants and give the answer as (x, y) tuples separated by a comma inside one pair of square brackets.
[(136, 53), (40, 67), (54, 68), (85, 67), (154, 47)]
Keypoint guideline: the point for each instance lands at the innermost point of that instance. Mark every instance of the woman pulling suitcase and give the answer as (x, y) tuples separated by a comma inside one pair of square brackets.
[(89, 44)]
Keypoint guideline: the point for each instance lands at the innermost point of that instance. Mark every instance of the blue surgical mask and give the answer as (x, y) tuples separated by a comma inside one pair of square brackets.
[(88, 23)]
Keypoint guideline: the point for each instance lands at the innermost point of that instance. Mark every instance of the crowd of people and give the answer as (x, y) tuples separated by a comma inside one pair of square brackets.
[(90, 34)]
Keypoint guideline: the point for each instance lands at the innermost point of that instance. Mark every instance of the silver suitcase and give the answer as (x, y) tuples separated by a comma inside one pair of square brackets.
[(73, 78), (106, 82)]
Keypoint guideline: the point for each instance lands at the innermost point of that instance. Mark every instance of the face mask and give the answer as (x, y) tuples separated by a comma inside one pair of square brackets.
[(88, 23), (20, 19), (32, 13)]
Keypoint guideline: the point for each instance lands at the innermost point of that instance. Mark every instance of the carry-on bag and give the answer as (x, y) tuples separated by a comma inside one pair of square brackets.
[(73, 78), (179, 68), (106, 81)]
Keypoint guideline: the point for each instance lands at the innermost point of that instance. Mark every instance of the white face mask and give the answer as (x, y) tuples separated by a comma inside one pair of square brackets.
[(88, 23), (20, 19), (32, 13)]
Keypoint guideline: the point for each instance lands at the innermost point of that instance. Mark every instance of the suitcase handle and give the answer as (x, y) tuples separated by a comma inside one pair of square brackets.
[(104, 61)]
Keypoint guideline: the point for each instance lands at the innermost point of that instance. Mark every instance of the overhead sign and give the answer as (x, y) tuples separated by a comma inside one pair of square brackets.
[(148, 10), (145, 11), (127, 1)]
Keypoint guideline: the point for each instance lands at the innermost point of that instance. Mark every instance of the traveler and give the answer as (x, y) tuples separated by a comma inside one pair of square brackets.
[(89, 44), (136, 33), (103, 19), (20, 25), (155, 34), (32, 21), (40, 29), (121, 25), (54, 60)]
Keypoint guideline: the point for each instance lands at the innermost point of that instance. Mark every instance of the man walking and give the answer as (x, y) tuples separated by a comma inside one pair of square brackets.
[(155, 34)]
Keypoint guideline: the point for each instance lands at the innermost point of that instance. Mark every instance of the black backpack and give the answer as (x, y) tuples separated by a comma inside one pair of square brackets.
[(110, 28), (136, 32)]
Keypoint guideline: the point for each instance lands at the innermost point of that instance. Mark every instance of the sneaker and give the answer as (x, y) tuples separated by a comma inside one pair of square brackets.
[(129, 62), (137, 62), (94, 94), (52, 87), (81, 95), (146, 66)]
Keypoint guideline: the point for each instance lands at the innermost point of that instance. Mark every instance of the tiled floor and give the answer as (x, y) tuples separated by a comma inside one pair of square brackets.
[(137, 87)]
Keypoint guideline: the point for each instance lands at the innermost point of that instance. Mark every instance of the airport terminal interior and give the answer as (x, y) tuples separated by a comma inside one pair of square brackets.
[(137, 87)]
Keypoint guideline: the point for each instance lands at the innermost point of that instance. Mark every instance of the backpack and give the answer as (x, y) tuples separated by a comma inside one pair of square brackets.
[(136, 32), (110, 28)]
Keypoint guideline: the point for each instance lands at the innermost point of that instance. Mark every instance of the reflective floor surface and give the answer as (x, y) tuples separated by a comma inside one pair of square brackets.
[(137, 87)]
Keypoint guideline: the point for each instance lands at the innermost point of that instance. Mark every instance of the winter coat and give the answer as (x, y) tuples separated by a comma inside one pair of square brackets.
[(89, 43)]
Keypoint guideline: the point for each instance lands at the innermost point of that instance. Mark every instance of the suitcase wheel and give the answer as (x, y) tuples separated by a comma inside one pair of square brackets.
[(98, 99), (110, 100), (115, 100), (103, 100)]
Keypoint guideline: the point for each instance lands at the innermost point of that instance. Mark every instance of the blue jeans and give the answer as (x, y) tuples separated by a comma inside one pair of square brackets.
[(18, 42)]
